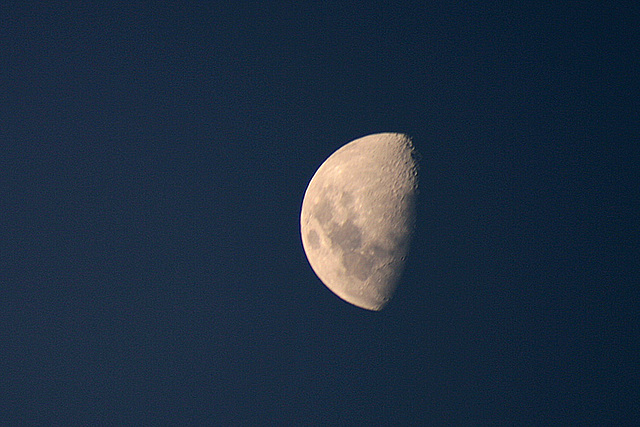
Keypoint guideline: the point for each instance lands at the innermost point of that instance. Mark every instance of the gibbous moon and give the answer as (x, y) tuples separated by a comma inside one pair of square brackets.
[(358, 215)]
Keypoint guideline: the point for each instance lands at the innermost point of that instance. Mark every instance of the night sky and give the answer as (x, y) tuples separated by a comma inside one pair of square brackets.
[(153, 161)]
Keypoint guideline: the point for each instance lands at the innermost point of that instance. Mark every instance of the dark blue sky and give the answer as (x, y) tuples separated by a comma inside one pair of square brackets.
[(154, 160)]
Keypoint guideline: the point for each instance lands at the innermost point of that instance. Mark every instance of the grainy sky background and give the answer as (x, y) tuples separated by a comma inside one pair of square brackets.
[(154, 159)]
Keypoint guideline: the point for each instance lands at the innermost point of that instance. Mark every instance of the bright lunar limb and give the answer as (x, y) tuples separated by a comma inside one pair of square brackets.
[(357, 218)]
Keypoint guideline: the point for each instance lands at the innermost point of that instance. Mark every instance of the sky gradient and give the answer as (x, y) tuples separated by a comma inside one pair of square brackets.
[(154, 160)]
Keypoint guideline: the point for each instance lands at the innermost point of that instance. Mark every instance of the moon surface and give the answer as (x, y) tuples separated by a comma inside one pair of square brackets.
[(358, 215)]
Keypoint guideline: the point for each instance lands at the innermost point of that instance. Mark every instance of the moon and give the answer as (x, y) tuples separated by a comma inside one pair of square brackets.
[(358, 216)]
